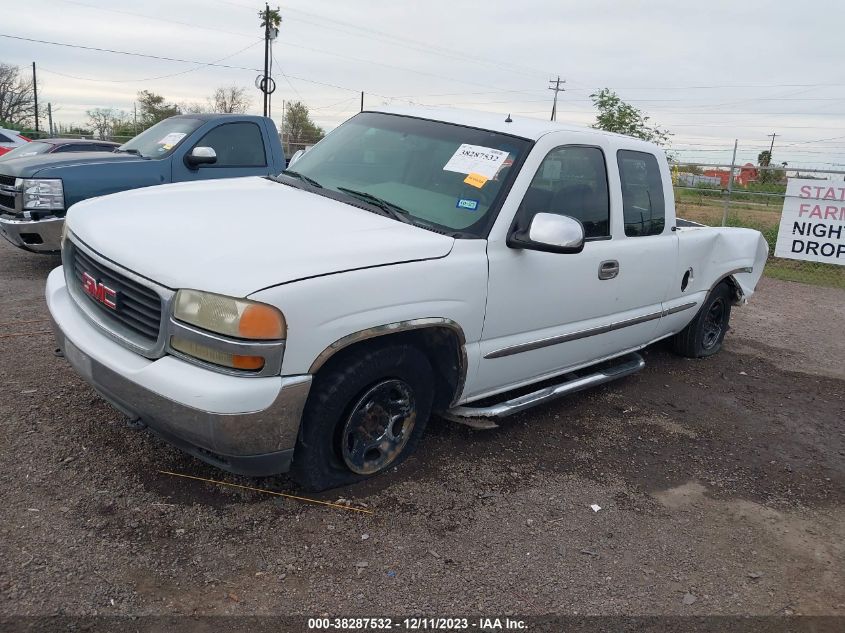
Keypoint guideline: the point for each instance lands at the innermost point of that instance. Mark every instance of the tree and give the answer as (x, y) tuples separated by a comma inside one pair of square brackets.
[(123, 126), (299, 129), (230, 100), (72, 130), (275, 18), (153, 108), (764, 159), (193, 107), (614, 115), (17, 96), (102, 120)]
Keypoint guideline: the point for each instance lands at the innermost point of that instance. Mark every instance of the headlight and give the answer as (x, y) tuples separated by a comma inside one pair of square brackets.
[(239, 318), (43, 194)]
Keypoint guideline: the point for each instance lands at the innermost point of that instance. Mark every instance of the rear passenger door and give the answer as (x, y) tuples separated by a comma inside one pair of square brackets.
[(647, 246), (240, 151)]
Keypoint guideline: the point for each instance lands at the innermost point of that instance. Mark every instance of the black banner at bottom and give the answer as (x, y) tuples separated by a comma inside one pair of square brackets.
[(486, 624)]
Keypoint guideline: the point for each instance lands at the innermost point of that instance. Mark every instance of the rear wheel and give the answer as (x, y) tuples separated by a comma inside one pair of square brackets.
[(705, 333), (366, 413)]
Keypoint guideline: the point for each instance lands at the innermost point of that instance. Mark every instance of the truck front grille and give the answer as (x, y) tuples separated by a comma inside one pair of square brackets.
[(138, 308), (7, 193), (7, 201)]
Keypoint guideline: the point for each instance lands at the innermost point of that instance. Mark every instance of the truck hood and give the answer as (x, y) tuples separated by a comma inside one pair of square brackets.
[(29, 166), (237, 236)]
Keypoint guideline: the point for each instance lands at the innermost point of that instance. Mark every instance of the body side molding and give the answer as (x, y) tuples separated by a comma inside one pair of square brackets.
[(574, 336)]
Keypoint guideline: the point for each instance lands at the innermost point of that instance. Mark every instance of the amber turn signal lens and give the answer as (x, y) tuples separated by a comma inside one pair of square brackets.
[(260, 321), (215, 356), (253, 363)]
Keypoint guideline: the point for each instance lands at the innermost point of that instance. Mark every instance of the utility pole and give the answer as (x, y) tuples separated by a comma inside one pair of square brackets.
[(771, 146), (362, 101), (50, 117), (730, 186), (266, 55), (284, 107), (35, 93), (556, 87), (135, 117)]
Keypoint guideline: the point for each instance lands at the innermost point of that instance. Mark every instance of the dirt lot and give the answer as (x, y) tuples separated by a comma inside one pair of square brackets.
[(721, 485)]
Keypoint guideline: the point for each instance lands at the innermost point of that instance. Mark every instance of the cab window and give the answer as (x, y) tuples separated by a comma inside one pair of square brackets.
[(643, 205), (571, 180), (236, 145)]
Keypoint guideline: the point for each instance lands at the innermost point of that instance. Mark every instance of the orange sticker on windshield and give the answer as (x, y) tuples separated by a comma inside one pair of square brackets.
[(476, 180)]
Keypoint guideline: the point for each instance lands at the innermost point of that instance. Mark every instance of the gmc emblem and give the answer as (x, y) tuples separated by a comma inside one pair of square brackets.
[(100, 292)]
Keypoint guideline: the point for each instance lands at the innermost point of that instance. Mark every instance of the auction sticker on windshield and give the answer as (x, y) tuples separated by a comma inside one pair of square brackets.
[(171, 139), (476, 159)]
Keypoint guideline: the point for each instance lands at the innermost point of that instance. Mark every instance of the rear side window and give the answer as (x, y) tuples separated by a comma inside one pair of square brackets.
[(643, 206), (571, 180), (73, 148), (5, 139), (236, 145)]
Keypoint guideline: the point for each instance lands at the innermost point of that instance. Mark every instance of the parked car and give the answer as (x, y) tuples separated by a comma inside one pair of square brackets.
[(36, 191), (53, 145), (10, 139), (414, 262)]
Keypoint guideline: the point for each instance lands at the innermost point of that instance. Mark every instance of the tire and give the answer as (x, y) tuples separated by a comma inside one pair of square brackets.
[(344, 436), (705, 333)]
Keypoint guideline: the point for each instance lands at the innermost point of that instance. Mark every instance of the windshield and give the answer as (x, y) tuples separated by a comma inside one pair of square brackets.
[(436, 173), (162, 138), (27, 149)]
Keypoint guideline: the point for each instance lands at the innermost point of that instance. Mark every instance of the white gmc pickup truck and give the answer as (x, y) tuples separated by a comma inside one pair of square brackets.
[(413, 262)]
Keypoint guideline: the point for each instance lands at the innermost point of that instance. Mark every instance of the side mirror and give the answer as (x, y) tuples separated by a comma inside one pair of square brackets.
[(200, 156), (550, 233), (296, 156)]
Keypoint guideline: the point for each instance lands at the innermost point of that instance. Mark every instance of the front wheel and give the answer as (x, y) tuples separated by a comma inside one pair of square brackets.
[(705, 333), (366, 413)]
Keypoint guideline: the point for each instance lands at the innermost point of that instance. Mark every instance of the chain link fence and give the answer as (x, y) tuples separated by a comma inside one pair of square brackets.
[(752, 197)]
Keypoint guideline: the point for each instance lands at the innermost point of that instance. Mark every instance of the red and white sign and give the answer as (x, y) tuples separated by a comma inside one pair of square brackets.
[(812, 224)]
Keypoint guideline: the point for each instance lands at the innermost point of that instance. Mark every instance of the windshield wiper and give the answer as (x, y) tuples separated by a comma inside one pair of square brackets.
[(393, 210), (302, 177)]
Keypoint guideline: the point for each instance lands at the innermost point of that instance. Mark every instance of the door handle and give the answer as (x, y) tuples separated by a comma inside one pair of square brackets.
[(608, 269)]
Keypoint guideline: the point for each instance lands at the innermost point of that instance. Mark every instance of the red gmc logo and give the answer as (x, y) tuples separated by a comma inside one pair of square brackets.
[(98, 291)]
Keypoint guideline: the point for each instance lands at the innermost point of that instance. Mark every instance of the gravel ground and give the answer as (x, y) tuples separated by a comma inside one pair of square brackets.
[(721, 484)]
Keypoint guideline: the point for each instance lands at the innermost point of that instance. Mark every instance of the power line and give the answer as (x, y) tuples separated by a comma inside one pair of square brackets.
[(385, 65), (128, 53), (157, 18), (322, 21), (728, 86), (183, 61), (184, 72)]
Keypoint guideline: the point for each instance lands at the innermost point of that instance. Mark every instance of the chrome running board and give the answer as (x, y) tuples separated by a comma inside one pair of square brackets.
[(628, 365)]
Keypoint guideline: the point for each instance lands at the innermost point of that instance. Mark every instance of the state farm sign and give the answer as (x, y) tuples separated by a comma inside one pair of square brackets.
[(812, 224)]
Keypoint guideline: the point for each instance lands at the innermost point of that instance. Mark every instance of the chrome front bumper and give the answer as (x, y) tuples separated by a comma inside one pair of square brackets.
[(244, 425), (38, 236)]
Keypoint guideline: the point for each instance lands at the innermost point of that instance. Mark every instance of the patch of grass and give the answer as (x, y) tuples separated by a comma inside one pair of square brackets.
[(813, 273)]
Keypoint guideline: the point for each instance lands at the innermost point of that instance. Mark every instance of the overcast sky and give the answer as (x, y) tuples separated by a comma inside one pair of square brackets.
[(709, 71)]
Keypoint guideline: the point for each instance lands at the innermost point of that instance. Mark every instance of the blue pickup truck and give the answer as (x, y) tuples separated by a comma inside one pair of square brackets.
[(36, 191)]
